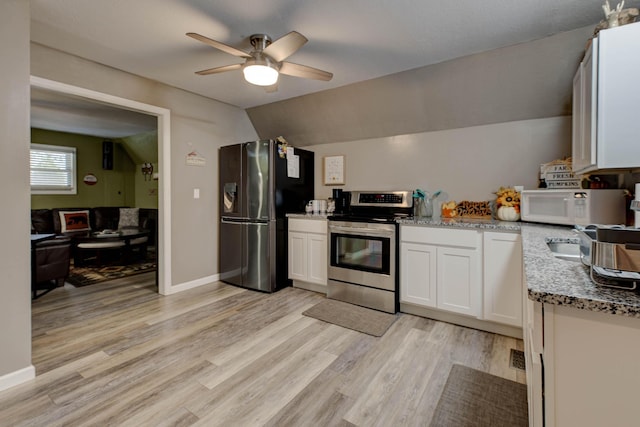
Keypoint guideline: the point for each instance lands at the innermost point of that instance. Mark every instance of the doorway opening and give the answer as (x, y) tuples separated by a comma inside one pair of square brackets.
[(164, 176)]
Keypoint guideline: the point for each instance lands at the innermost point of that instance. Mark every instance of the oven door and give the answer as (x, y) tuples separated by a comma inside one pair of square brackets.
[(363, 253)]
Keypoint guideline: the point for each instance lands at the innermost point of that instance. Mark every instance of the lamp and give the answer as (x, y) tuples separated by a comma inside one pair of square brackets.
[(260, 71)]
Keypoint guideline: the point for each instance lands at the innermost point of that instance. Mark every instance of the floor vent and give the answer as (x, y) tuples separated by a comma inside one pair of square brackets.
[(516, 360)]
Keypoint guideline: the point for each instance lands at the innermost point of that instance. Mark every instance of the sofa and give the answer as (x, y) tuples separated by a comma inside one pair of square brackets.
[(44, 221), (76, 222)]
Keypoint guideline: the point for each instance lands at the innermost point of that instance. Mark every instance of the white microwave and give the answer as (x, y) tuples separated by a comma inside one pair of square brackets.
[(573, 207)]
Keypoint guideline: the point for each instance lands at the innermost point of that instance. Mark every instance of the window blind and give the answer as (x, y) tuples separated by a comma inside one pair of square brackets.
[(53, 169)]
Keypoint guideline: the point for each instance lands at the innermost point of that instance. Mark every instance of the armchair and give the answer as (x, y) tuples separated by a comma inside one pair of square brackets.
[(50, 264)]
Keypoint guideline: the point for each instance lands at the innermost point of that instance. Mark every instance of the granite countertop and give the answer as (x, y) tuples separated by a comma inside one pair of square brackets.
[(307, 216), (556, 281), (482, 224)]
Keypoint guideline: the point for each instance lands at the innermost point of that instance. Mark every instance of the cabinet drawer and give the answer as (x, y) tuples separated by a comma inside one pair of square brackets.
[(308, 225), (440, 236)]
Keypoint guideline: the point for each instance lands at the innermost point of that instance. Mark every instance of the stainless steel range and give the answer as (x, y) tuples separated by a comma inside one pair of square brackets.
[(363, 249)]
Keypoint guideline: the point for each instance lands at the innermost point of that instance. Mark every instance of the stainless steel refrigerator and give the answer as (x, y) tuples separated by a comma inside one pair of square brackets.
[(260, 182)]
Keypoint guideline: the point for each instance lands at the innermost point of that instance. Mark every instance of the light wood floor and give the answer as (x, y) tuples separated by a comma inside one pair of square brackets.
[(120, 354)]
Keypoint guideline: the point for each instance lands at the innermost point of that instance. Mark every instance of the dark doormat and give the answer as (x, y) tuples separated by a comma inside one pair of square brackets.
[(472, 398), (352, 316), (84, 276)]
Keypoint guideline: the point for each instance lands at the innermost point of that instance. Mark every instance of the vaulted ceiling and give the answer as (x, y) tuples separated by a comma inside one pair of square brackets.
[(356, 40)]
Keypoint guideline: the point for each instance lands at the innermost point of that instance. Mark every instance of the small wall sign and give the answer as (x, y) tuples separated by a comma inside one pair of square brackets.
[(195, 159), (334, 170), (90, 179)]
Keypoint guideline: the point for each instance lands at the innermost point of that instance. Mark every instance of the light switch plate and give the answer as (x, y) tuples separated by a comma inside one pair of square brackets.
[(196, 193)]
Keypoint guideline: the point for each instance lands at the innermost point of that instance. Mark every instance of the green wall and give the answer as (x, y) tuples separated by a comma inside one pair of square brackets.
[(146, 192), (114, 188), (143, 148)]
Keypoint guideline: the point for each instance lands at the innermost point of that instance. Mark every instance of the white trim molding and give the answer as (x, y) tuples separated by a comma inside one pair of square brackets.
[(164, 160), (193, 284), (17, 377)]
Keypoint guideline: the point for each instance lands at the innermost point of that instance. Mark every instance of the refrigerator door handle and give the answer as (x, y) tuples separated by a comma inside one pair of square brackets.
[(244, 221), (257, 222), (232, 220)]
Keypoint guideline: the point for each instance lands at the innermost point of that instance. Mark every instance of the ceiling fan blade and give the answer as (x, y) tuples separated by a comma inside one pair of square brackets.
[(297, 70), (285, 46), (220, 46), (219, 69)]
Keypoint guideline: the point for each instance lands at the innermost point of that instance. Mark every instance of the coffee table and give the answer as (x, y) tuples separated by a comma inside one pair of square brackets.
[(98, 243)]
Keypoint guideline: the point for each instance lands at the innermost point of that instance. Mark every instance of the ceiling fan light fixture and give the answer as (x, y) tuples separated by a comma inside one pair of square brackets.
[(260, 72)]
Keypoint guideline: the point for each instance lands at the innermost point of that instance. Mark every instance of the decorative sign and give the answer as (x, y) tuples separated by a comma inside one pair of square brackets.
[(90, 179), (195, 159), (147, 171), (334, 170)]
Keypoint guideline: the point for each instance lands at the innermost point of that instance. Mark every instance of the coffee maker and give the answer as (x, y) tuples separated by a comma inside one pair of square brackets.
[(342, 200)]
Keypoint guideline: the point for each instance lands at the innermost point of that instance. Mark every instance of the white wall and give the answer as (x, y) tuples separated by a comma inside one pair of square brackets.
[(15, 299), (197, 123), (468, 163)]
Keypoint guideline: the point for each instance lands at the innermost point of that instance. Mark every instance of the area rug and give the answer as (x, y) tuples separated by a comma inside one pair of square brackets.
[(371, 322), (85, 276), (473, 398)]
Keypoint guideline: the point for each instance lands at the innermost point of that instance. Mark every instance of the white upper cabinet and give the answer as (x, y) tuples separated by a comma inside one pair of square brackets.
[(584, 127), (606, 101)]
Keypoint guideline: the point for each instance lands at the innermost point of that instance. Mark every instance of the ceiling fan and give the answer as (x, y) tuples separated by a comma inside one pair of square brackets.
[(266, 61)]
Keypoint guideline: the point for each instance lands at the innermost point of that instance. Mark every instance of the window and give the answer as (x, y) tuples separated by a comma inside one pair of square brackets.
[(53, 169)]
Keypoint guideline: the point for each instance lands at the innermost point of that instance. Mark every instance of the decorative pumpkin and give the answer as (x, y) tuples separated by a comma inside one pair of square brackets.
[(448, 210), (508, 213), (508, 203)]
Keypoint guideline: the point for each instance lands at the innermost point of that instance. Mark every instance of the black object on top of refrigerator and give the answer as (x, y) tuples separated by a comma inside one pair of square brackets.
[(259, 184)]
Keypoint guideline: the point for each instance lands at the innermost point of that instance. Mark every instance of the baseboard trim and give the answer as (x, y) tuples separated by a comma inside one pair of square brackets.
[(469, 322), (314, 287), (17, 377), (191, 284)]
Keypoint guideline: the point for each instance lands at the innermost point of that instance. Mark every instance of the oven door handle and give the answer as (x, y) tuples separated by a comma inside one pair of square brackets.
[(361, 231)]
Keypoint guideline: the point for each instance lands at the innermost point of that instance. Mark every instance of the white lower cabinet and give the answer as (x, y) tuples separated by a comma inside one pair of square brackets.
[(584, 372), (308, 253), (418, 274), (503, 278), (458, 278), (440, 268), (298, 256), (474, 273)]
